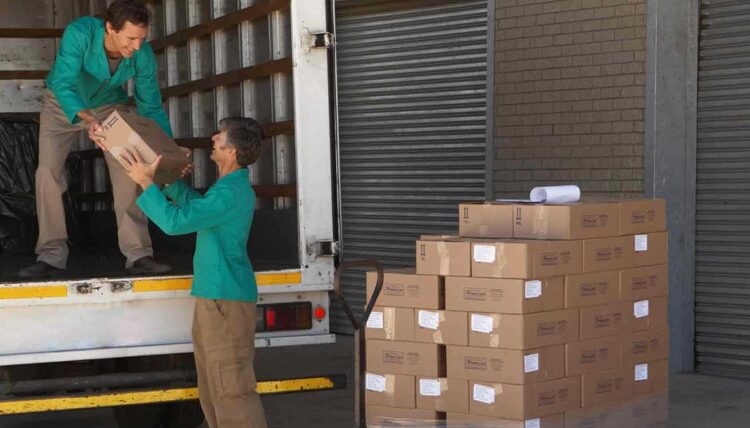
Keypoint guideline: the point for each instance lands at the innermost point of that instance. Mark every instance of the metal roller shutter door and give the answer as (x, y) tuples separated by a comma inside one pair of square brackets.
[(412, 126), (722, 268)]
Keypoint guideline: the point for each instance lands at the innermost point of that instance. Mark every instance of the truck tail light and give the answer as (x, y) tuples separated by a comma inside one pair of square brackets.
[(285, 316), (319, 313)]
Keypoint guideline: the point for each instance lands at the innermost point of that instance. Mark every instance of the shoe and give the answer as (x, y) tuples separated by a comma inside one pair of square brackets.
[(147, 265), (39, 270)]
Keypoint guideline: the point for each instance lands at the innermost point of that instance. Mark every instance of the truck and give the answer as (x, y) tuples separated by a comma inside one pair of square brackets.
[(98, 337)]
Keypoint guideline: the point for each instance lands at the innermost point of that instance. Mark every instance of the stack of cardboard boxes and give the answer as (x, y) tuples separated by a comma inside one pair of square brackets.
[(397, 355), (536, 315)]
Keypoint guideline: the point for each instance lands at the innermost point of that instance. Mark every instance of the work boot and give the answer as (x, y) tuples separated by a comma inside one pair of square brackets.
[(39, 270), (147, 265)]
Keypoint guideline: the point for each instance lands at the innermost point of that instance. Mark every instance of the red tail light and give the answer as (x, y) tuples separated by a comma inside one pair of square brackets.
[(285, 316), (319, 313), (270, 318)]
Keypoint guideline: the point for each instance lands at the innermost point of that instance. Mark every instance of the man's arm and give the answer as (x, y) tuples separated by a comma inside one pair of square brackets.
[(147, 94), (209, 210), (180, 192), (65, 72)]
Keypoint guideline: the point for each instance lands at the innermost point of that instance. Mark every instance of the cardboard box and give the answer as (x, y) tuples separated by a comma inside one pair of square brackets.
[(476, 421), (390, 390), (130, 131), (644, 282), (650, 377), (642, 216), (405, 289), (610, 416), (607, 254), (591, 289), (649, 410), (606, 387), (649, 249), (381, 415), (443, 394), (506, 365), (525, 259), (592, 356), (390, 324), (523, 331), (443, 327), (524, 401), (645, 346), (649, 313), (582, 220), (485, 220), (607, 320), (443, 255), (409, 358), (503, 296)]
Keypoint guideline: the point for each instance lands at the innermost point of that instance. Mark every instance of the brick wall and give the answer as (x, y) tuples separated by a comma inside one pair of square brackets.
[(569, 95)]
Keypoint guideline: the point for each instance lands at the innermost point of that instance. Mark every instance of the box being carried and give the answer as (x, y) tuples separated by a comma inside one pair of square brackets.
[(130, 131)]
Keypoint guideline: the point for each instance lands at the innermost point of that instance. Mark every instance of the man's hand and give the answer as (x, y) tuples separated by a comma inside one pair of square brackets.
[(95, 134), (95, 128), (189, 168), (138, 170)]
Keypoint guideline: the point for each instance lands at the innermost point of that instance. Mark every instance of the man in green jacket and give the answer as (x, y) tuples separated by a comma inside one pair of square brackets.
[(223, 278), (96, 58)]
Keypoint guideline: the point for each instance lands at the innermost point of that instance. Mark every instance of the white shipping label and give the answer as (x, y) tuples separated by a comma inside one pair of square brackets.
[(429, 387), (641, 243), (484, 253), (481, 323), (640, 309), (375, 382), (429, 319), (530, 363), (641, 372), (532, 423), (484, 394), (533, 289), (375, 320)]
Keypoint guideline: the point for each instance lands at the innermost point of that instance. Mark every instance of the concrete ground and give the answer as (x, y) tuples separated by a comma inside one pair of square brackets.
[(695, 400)]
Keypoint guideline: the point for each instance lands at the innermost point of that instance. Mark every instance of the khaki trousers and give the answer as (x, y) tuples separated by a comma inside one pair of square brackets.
[(224, 347), (56, 138)]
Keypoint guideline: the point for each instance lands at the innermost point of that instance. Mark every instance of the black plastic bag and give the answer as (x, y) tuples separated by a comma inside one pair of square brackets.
[(18, 160)]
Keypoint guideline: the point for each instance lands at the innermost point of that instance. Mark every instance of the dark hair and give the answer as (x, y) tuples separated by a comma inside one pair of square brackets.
[(122, 11), (246, 135)]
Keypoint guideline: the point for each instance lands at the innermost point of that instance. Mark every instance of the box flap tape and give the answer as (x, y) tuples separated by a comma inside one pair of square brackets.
[(443, 255)]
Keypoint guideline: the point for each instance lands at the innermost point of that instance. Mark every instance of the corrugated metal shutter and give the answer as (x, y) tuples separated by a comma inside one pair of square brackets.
[(412, 109), (722, 259)]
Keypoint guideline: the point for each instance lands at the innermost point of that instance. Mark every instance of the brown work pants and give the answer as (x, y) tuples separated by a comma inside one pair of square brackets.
[(224, 347), (56, 138)]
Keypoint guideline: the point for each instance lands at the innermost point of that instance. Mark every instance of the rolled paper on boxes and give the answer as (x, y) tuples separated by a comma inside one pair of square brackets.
[(556, 194)]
